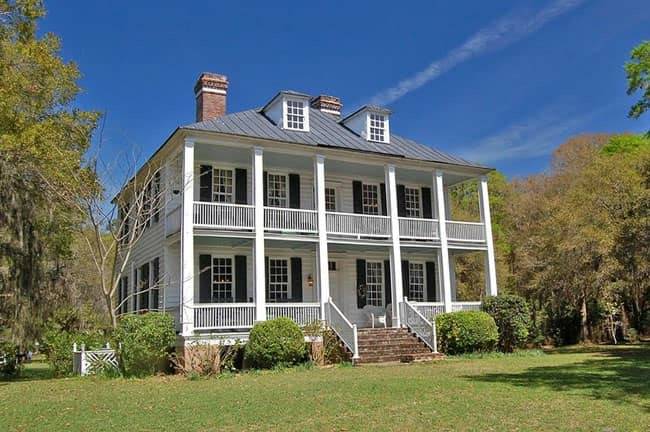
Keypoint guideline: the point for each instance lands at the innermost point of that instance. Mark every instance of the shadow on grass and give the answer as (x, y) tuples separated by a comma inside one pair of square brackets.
[(34, 371), (620, 374)]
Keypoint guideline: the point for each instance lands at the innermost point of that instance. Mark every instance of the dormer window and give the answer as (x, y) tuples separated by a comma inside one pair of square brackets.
[(377, 127), (295, 114), (370, 122)]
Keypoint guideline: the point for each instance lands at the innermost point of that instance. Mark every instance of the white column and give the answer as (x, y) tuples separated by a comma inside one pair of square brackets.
[(490, 265), (444, 250), (187, 241), (395, 252), (452, 276), (259, 275), (322, 255)]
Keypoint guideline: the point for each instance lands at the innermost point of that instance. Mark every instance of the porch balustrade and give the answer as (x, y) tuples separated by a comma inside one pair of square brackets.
[(215, 316), (357, 224), (466, 306), (223, 215), (429, 309), (466, 231), (418, 229), (290, 220), (345, 330), (423, 327), (302, 313)]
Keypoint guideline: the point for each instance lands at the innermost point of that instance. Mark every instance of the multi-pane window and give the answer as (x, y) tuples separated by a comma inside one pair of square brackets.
[(222, 185), (277, 190), (330, 199), (377, 127), (295, 115), (370, 199), (278, 280), (416, 281), (412, 200), (374, 283), (222, 278)]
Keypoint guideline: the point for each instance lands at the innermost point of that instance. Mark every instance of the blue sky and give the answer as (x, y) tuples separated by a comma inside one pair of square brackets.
[(499, 82)]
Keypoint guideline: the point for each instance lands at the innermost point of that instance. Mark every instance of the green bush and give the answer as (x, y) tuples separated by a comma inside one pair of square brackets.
[(67, 327), (278, 342), (144, 343), (464, 332), (512, 316), (9, 367)]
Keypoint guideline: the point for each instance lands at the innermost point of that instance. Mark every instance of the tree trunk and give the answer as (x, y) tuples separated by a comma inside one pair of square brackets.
[(584, 327), (111, 310)]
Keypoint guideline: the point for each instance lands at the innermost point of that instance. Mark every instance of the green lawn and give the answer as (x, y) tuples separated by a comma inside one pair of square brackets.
[(595, 389)]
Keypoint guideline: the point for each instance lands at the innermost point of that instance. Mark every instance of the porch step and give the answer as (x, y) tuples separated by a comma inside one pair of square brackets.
[(391, 345)]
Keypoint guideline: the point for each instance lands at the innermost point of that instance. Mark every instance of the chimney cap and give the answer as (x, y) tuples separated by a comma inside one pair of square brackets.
[(211, 82), (328, 104)]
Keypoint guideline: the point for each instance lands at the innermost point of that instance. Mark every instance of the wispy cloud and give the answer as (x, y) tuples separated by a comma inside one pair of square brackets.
[(499, 34), (536, 136)]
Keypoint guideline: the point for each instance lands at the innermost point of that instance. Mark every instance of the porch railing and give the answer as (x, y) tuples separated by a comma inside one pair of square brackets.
[(466, 231), (173, 221), (345, 330), (224, 316), (424, 329), (302, 313), (466, 306), (357, 224), (429, 309), (418, 229), (290, 220), (224, 215)]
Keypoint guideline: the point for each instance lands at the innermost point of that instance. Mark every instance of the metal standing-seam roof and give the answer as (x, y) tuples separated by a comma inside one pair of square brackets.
[(324, 130)]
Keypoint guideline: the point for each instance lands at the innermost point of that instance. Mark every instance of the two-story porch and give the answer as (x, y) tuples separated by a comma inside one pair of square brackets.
[(326, 227)]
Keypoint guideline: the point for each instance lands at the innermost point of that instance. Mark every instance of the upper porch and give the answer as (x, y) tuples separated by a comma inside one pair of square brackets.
[(356, 197)]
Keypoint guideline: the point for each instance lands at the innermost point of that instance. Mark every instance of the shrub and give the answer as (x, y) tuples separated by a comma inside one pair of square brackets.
[(67, 327), (463, 332), (9, 366), (207, 360), (278, 342), (145, 342), (512, 316)]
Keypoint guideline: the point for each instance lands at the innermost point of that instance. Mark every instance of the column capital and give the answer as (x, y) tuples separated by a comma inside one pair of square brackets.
[(189, 142), (257, 150), (319, 158), (483, 178)]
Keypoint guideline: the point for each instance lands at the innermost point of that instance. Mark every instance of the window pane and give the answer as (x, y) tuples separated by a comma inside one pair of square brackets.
[(330, 199), (295, 115), (278, 280), (416, 281), (277, 190), (222, 185), (412, 199), (370, 199), (222, 280), (374, 284)]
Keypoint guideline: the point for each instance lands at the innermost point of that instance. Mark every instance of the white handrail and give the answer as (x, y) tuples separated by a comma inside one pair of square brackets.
[(290, 219), (418, 228), (466, 231), (224, 215), (422, 327), (301, 313), (345, 330), (357, 224), (223, 315), (465, 306), (429, 309)]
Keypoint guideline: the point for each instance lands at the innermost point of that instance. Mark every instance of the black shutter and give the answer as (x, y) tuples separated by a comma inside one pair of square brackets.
[(294, 191), (296, 279), (240, 278), (135, 289), (155, 301), (405, 279), (265, 182), (205, 278), (241, 186), (205, 183), (361, 283), (382, 197), (401, 201), (427, 211), (388, 295), (431, 281), (144, 287), (357, 197), (266, 278)]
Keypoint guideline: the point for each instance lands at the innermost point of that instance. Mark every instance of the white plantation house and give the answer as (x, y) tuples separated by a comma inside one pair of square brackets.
[(293, 210)]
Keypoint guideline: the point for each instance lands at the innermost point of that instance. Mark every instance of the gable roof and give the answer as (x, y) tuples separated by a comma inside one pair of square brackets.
[(325, 130)]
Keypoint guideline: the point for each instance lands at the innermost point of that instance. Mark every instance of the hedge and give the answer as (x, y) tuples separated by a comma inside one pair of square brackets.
[(464, 332), (512, 316), (277, 342)]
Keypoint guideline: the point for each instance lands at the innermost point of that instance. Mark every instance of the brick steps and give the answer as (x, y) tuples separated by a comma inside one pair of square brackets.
[(391, 345)]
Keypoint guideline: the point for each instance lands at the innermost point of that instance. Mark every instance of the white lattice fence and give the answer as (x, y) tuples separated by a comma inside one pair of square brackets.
[(93, 361)]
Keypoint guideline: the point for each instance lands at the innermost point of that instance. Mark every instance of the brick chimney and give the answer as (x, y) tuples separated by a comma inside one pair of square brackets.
[(327, 104), (210, 91)]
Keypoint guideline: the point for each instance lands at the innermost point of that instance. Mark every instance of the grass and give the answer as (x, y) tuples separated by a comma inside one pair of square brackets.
[(601, 388)]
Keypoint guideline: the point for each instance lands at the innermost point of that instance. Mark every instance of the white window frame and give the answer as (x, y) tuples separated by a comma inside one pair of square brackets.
[(288, 262), (286, 191), (363, 205), (332, 188), (419, 202), (212, 282), (369, 127), (423, 283), (305, 114), (375, 285), (232, 189)]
